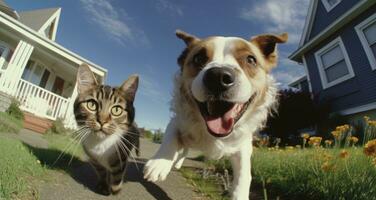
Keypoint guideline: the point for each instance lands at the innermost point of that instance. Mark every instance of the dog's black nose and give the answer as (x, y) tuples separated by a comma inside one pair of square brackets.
[(219, 79)]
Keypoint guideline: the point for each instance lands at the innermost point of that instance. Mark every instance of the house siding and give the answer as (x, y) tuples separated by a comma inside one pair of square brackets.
[(324, 18), (356, 91)]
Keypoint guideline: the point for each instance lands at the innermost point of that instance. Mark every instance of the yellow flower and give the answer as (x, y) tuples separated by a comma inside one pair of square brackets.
[(336, 133), (326, 166), (328, 142), (354, 139), (290, 148), (316, 141), (370, 148), (305, 135), (366, 118), (344, 154)]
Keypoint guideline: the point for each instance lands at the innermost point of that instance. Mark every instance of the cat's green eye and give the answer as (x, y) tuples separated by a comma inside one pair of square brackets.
[(117, 111), (91, 105)]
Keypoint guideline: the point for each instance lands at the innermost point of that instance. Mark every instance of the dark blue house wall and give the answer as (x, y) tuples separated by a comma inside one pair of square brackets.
[(323, 18), (356, 91)]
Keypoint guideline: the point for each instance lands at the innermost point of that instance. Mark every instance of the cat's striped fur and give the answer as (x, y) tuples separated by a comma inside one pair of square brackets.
[(108, 115)]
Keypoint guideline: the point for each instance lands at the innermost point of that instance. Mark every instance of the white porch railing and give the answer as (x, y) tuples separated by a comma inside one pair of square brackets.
[(40, 101)]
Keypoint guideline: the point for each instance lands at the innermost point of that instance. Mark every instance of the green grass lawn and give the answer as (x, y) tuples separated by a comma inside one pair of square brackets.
[(18, 170), (312, 173), (9, 124), (22, 166)]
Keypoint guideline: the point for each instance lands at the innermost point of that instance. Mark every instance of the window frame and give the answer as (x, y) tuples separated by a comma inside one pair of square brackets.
[(329, 7), (4, 55), (363, 39), (324, 80)]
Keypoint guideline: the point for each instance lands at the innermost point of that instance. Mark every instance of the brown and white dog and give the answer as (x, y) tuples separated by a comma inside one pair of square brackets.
[(223, 94)]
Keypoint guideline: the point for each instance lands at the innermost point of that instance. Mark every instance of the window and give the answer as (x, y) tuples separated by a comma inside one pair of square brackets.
[(367, 35), (58, 86), (333, 63), (330, 4), (4, 51)]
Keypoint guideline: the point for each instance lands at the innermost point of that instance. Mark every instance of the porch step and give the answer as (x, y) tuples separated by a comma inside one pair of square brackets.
[(37, 124)]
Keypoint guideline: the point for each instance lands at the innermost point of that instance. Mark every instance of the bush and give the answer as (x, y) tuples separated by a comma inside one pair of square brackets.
[(15, 111), (58, 127), (158, 136)]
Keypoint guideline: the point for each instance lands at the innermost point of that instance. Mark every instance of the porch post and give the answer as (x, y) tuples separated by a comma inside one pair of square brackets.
[(69, 119), (15, 68)]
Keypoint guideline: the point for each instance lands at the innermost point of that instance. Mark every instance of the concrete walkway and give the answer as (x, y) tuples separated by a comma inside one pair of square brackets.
[(79, 183)]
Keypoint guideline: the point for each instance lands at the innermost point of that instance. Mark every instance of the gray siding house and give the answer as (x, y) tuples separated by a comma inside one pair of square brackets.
[(338, 51)]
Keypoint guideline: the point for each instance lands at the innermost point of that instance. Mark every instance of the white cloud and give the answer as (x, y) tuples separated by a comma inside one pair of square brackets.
[(113, 21), (279, 16), (164, 6)]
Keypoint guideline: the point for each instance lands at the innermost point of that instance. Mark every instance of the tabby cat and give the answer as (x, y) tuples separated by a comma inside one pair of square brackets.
[(106, 115)]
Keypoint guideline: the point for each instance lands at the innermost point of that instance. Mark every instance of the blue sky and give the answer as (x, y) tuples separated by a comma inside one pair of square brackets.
[(128, 36)]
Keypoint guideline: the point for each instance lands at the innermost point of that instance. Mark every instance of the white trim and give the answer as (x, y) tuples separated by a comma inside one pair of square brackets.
[(336, 42), (358, 109), (356, 10), (53, 19), (309, 21), (7, 21), (307, 73), (359, 30), (329, 7)]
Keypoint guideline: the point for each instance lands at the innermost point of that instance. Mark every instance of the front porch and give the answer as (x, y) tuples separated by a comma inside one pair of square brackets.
[(44, 83)]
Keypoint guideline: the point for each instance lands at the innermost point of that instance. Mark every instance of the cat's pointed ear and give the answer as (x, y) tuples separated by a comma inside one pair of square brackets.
[(129, 87), (85, 79)]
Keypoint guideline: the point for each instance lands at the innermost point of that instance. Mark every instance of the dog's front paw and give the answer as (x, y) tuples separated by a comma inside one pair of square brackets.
[(157, 169)]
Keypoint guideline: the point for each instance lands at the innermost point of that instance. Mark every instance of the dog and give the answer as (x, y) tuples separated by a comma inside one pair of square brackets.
[(223, 94)]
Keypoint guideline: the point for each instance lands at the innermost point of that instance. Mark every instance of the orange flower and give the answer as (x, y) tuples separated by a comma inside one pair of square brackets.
[(370, 148), (316, 141), (326, 166), (344, 154)]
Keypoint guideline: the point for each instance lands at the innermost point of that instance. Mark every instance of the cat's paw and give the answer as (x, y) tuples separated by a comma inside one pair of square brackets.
[(103, 189), (157, 169)]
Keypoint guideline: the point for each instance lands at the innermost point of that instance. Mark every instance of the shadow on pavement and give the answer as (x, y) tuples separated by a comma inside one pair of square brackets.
[(84, 174)]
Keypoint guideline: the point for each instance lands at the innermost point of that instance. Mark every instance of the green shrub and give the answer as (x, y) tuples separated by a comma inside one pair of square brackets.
[(9, 124), (58, 127), (15, 111), (158, 136)]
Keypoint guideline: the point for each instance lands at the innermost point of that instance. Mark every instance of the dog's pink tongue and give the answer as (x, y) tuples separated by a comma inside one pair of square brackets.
[(222, 125)]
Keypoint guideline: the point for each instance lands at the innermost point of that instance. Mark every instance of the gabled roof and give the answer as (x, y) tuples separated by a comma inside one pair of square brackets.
[(344, 19), (35, 19), (308, 21), (8, 10)]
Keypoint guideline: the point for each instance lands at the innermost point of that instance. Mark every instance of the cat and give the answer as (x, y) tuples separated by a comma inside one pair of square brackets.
[(106, 115)]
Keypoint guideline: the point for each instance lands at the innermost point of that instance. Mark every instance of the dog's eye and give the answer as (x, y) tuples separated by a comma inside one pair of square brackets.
[(251, 59), (200, 58)]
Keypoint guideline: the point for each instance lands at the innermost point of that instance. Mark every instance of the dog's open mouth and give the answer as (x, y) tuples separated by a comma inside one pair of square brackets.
[(221, 116)]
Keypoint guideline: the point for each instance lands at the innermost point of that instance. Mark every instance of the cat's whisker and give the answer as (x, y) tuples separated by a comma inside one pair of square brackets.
[(130, 152), (77, 146), (67, 148), (118, 155)]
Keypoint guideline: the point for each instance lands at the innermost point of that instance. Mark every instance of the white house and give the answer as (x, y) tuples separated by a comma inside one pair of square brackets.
[(36, 70)]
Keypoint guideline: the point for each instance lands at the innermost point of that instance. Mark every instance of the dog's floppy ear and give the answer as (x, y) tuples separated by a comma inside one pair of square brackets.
[(267, 45), (186, 37)]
